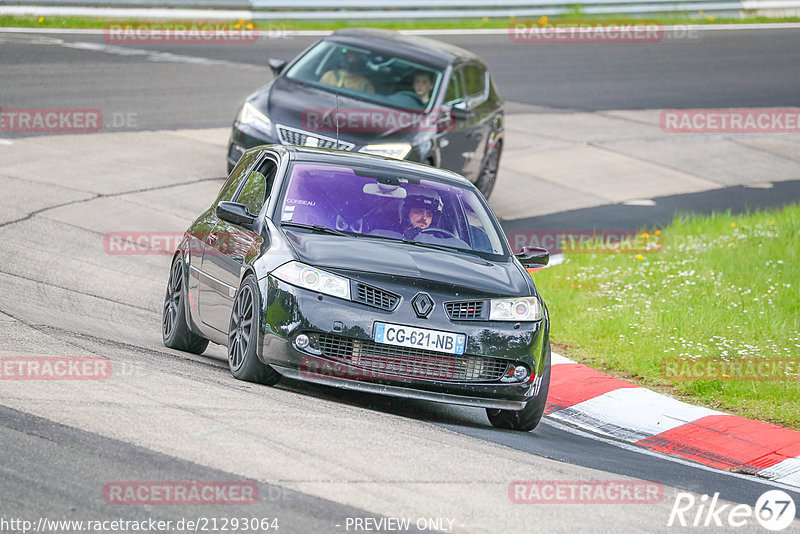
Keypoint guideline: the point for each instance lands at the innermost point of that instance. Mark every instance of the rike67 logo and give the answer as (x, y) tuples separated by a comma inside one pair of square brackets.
[(774, 511)]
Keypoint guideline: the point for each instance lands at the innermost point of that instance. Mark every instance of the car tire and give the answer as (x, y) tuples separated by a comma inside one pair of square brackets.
[(527, 418), (488, 176), (175, 330), (243, 334)]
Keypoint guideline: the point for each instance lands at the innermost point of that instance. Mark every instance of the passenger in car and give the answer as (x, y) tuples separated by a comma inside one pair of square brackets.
[(350, 76), (423, 85)]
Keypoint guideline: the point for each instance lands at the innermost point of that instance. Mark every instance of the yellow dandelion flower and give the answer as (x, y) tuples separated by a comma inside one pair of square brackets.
[(41, 19), (733, 224), (543, 20), (658, 232), (645, 235), (639, 257)]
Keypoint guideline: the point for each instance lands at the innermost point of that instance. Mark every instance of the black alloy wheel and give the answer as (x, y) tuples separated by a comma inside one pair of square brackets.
[(175, 330)]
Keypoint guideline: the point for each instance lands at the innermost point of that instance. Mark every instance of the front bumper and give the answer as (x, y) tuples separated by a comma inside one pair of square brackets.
[(289, 311)]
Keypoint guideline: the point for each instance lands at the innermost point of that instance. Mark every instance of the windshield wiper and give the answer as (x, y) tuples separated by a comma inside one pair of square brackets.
[(317, 228)]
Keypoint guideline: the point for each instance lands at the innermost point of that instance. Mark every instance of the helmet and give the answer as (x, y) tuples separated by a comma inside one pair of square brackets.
[(425, 199)]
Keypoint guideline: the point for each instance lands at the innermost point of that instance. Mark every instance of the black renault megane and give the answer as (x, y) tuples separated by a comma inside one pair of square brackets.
[(367, 273), (381, 92)]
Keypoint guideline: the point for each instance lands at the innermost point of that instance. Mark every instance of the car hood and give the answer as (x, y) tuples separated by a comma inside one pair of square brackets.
[(462, 271), (289, 103)]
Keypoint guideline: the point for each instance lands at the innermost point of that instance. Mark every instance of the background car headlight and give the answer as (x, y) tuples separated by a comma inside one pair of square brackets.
[(252, 116), (396, 151), (302, 275), (520, 309)]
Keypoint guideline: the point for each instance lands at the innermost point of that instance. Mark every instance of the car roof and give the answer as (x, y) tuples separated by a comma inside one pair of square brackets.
[(414, 46), (339, 157)]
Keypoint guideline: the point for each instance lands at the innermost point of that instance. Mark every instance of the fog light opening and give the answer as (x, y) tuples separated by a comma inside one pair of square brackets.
[(302, 341), (520, 372)]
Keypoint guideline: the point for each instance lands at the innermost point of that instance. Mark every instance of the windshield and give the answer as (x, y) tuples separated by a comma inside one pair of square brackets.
[(367, 75), (366, 202)]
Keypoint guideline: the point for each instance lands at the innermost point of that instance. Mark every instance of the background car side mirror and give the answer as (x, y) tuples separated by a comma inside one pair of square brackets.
[(235, 213), (276, 65), (460, 111), (533, 256)]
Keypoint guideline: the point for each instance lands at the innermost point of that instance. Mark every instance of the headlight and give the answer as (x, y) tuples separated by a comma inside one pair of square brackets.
[(302, 275), (521, 309), (396, 151), (252, 116)]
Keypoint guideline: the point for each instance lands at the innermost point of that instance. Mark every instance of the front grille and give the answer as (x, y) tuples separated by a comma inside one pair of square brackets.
[(380, 360), (293, 136), (377, 298), (464, 310)]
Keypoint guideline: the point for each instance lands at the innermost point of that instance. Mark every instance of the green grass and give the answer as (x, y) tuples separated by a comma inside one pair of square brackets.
[(574, 17), (722, 287)]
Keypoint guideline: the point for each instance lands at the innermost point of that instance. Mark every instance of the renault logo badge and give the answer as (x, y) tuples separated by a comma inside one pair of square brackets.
[(422, 304)]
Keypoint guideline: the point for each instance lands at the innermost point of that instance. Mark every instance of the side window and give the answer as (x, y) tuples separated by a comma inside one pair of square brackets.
[(258, 185), (454, 90), (237, 175), (475, 84)]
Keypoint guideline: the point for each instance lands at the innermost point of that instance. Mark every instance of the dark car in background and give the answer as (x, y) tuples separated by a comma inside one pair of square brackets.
[(381, 92), (365, 273)]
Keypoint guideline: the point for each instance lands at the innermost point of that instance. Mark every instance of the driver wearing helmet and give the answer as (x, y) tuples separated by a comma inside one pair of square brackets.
[(420, 211)]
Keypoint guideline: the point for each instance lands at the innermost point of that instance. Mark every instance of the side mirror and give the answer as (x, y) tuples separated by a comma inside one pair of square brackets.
[(461, 111), (533, 256), (235, 213), (276, 65)]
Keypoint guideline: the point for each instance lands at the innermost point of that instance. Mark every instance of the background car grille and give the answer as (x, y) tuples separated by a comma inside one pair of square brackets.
[(409, 362), (291, 136), (378, 298), (464, 310)]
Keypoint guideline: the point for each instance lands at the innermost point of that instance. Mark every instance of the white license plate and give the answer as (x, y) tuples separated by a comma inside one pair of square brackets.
[(420, 338)]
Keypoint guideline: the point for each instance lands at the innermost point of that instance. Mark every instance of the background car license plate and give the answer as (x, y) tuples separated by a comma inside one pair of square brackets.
[(421, 338)]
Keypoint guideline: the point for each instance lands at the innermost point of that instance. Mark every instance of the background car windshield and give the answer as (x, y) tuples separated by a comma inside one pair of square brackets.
[(366, 202), (368, 75)]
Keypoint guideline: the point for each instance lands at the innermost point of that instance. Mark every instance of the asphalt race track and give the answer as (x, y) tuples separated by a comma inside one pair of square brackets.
[(320, 457), (170, 88)]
